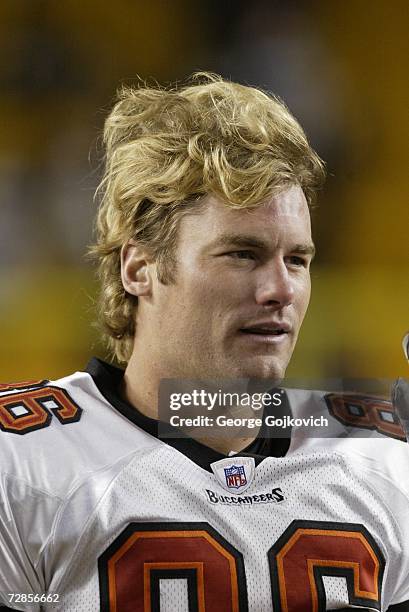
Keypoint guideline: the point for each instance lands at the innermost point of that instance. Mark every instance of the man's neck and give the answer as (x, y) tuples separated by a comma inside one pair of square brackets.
[(140, 390)]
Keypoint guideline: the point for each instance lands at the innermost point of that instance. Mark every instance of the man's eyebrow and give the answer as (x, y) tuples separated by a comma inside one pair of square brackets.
[(304, 249), (241, 240)]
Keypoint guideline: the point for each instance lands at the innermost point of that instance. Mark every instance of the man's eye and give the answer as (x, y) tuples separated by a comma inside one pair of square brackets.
[(242, 255), (295, 260)]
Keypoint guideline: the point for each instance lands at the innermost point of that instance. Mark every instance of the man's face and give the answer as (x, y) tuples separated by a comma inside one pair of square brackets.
[(241, 291)]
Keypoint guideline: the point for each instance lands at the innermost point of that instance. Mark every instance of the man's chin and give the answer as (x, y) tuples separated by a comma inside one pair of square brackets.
[(262, 370)]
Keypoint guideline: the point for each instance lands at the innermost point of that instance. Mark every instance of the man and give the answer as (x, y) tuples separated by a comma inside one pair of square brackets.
[(204, 247)]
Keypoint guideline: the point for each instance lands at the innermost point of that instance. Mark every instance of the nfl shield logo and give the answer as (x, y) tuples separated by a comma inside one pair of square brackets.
[(235, 476)]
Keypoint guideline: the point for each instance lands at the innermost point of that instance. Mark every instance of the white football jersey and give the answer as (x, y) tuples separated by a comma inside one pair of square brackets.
[(98, 513)]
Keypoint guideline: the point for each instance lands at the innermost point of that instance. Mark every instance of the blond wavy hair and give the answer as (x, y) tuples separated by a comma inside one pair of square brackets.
[(168, 147)]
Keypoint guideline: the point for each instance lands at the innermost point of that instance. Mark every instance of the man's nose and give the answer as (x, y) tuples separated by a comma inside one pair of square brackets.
[(275, 286)]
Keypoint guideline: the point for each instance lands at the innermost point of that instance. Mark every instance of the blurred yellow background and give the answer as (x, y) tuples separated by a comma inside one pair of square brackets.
[(342, 68)]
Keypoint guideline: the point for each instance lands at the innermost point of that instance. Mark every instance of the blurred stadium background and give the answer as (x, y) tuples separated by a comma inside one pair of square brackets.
[(341, 67)]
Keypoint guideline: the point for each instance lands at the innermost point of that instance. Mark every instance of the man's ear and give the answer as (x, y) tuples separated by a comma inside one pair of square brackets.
[(135, 271)]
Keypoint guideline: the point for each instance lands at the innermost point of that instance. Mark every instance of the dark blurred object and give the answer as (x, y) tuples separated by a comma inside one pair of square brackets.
[(400, 398)]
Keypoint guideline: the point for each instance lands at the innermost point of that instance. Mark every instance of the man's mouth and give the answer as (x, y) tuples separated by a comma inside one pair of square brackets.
[(264, 331), (267, 331)]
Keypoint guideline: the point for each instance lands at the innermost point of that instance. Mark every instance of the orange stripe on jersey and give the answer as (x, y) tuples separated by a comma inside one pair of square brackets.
[(355, 410), (32, 409), (310, 548), (216, 575), (22, 385), (35, 415)]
